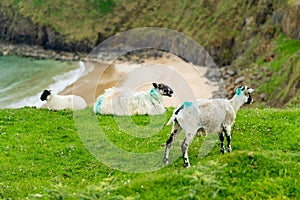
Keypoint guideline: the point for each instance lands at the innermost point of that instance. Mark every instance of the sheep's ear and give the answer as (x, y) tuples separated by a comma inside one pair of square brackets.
[(250, 90), (155, 85), (47, 91)]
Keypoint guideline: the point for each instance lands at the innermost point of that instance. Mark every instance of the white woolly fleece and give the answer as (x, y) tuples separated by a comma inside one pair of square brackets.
[(116, 101), (59, 102)]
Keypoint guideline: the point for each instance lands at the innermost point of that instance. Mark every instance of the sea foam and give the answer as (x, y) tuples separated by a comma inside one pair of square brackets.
[(61, 82)]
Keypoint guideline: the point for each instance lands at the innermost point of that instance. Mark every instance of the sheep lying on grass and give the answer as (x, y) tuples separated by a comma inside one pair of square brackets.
[(116, 101), (59, 102), (206, 116)]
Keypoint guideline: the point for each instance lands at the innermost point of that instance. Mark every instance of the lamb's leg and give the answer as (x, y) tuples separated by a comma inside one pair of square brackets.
[(175, 131), (221, 136), (228, 137), (184, 148)]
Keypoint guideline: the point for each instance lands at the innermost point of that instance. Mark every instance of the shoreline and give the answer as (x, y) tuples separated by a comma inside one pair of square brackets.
[(38, 52), (187, 80)]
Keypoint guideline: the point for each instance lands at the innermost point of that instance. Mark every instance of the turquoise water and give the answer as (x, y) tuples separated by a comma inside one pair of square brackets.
[(22, 80)]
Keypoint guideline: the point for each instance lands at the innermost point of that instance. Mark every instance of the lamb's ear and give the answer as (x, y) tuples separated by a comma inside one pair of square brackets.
[(155, 85), (46, 91), (250, 90)]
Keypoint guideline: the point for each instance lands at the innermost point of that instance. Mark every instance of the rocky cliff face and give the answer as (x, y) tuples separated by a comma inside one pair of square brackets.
[(290, 23), (16, 29)]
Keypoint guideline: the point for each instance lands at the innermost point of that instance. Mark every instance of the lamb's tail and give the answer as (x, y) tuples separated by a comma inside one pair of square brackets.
[(175, 113), (171, 119)]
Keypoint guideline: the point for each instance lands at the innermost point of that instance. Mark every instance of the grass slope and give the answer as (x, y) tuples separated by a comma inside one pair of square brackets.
[(42, 156)]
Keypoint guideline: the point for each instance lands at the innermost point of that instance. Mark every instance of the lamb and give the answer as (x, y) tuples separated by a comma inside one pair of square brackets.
[(117, 101), (60, 102), (205, 116)]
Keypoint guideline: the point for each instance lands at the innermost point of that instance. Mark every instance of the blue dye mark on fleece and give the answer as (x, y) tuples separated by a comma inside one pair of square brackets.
[(154, 93), (187, 104), (98, 104), (238, 91)]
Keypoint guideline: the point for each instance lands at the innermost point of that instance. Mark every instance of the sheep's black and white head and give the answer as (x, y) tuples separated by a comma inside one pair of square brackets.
[(163, 89), (45, 94), (244, 92)]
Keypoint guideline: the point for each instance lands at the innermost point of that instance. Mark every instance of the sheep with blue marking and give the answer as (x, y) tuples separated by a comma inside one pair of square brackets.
[(60, 102), (205, 116), (118, 101)]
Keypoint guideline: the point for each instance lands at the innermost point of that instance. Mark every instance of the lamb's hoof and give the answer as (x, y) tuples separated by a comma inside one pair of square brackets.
[(222, 150), (166, 161), (229, 148), (187, 165), (186, 162)]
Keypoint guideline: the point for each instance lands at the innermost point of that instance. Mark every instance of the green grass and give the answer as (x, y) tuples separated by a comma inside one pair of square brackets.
[(44, 155)]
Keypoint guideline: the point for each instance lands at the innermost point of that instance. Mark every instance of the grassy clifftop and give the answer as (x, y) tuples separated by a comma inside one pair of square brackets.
[(43, 157)]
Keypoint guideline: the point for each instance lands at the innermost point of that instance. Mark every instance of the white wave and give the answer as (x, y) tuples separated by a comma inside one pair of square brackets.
[(61, 82)]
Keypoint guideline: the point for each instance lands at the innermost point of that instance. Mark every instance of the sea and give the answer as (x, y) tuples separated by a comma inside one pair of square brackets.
[(22, 80)]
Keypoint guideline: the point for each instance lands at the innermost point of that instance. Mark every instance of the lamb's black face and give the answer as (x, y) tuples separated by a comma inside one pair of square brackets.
[(45, 94), (248, 93), (163, 89), (249, 100)]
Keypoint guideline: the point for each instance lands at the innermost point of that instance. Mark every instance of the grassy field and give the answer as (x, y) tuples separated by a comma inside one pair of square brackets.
[(44, 155)]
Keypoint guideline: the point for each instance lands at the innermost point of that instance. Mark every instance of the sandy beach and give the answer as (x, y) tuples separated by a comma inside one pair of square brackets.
[(184, 78)]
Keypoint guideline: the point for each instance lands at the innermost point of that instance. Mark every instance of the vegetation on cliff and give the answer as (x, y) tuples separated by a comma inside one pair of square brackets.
[(244, 35)]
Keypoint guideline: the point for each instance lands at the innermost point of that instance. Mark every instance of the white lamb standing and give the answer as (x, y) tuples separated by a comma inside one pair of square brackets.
[(206, 116), (118, 101), (60, 102)]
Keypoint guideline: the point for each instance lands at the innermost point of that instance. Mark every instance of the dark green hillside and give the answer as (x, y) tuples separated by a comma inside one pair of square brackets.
[(42, 157), (225, 28), (220, 26)]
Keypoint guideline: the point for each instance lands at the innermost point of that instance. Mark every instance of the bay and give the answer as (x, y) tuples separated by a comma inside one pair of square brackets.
[(22, 80)]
